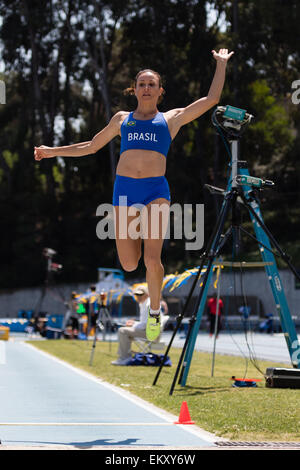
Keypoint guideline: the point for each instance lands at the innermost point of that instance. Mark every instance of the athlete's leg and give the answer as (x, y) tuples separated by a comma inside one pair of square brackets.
[(154, 224), (128, 245)]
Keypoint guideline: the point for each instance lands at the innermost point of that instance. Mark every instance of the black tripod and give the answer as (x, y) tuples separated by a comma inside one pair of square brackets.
[(241, 190), (102, 324), (51, 267), (48, 253)]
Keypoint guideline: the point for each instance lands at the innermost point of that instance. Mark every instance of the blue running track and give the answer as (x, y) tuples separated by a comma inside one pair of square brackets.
[(46, 403)]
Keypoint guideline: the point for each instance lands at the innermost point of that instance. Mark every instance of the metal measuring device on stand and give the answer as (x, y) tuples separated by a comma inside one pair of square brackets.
[(231, 123)]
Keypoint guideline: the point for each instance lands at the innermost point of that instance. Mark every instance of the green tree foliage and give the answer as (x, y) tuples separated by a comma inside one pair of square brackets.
[(66, 66)]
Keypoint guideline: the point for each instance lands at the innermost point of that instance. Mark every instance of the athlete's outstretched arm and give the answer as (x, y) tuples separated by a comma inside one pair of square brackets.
[(182, 116), (83, 148)]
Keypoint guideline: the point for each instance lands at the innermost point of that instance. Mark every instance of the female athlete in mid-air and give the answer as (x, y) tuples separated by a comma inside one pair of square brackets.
[(146, 135)]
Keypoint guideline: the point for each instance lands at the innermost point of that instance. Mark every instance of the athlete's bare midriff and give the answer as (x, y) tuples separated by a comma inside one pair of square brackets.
[(141, 164), (136, 163)]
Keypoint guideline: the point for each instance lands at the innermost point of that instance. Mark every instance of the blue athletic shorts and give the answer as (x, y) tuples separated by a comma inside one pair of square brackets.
[(134, 191)]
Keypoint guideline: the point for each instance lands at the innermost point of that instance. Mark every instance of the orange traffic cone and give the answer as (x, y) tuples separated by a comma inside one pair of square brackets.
[(184, 416)]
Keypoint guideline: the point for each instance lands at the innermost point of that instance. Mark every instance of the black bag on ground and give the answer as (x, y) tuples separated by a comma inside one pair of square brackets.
[(149, 359), (282, 378)]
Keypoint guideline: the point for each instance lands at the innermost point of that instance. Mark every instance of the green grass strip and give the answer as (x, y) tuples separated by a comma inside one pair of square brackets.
[(244, 414)]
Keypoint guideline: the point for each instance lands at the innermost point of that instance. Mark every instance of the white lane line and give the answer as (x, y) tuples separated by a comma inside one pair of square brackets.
[(87, 424)]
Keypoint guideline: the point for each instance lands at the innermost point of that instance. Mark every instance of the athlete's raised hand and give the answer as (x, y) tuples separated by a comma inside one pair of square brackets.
[(222, 55)]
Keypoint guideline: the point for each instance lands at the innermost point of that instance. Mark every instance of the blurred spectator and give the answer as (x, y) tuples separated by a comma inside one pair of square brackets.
[(164, 307), (74, 315), (133, 329), (267, 325), (212, 314)]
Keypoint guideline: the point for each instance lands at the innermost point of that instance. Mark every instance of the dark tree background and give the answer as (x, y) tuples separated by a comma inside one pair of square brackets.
[(65, 65)]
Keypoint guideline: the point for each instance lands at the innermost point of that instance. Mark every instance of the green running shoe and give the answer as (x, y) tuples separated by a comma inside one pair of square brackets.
[(153, 326)]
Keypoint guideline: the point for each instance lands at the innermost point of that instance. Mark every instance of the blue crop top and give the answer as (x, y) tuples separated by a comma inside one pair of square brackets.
[(152, 134)]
